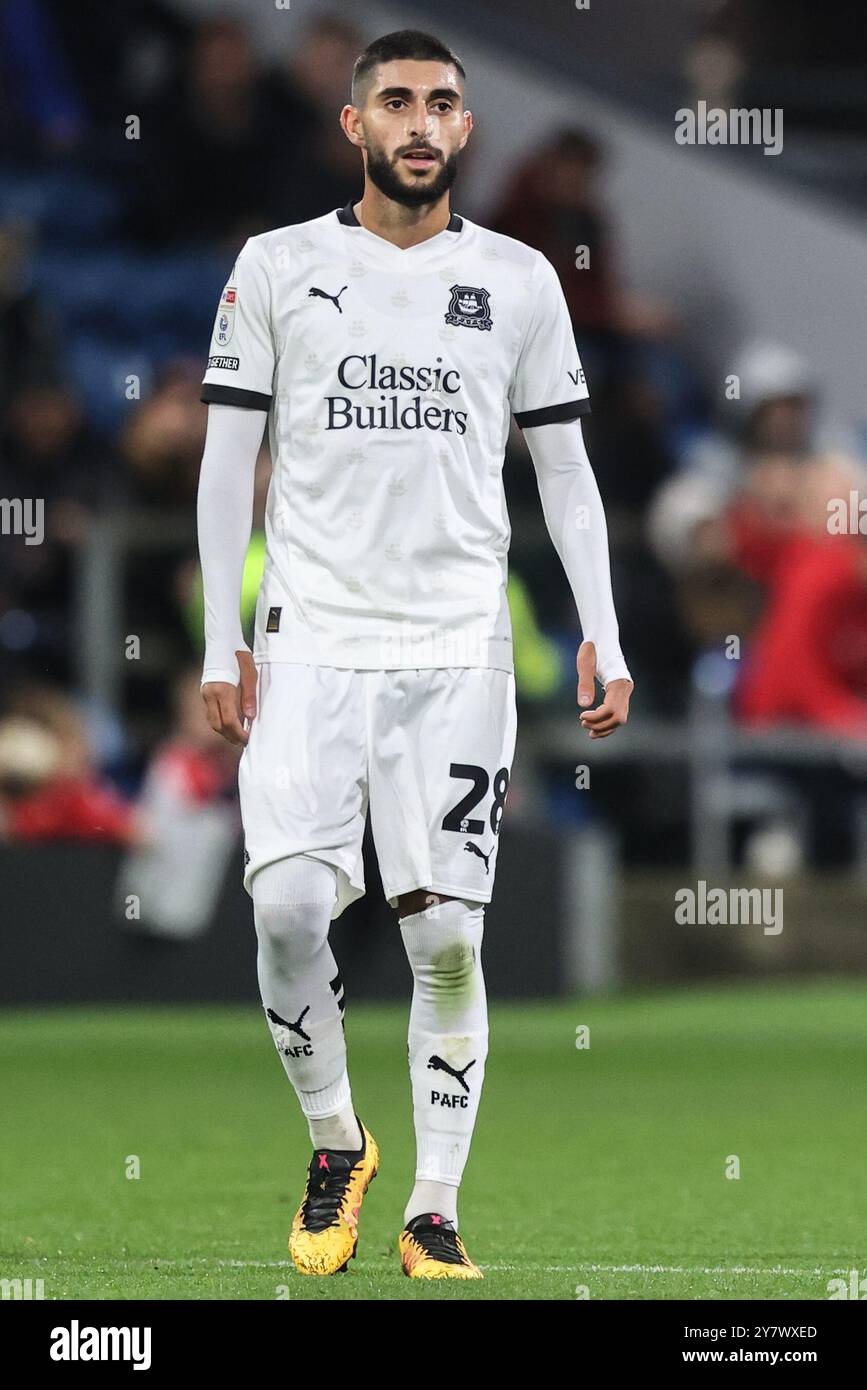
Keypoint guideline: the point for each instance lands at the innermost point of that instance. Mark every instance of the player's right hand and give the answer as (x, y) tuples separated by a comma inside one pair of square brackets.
[(229, 706)]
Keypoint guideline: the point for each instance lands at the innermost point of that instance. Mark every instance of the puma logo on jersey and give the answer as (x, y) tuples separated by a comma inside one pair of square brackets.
[(470, 848), (316, 293), (437, 1064)]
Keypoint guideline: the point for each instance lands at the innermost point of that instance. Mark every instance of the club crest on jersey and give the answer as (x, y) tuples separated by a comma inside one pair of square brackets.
[(225, 325), (470, 307)]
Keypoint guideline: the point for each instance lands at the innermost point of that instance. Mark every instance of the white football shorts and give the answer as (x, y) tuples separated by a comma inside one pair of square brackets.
[(429, 750)]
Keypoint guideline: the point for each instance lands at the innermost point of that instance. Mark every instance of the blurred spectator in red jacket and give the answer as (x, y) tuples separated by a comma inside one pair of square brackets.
[(48, 788), (807, 659), (191, 768), (773, 454), (191, 825)]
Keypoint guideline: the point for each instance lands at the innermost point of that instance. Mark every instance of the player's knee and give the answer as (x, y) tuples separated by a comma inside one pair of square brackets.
[(443, 944), (292, 902), (289, 938), (453, 966)]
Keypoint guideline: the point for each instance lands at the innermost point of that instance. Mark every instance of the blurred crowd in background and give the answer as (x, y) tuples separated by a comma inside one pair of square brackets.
[(113, 252)]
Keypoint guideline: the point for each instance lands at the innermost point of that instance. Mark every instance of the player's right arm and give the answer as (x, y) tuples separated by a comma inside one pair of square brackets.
[(225, 518), (237, 387)]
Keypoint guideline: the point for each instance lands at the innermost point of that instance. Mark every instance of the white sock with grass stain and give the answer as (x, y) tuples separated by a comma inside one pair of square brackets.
[(448, 1045)]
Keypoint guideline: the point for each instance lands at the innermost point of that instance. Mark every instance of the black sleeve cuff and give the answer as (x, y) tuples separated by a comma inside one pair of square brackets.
[(552, 414), (213, 394)]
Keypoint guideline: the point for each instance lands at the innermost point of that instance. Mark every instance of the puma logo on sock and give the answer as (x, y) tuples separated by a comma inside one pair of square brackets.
[(293, 1027), (437, 1064)]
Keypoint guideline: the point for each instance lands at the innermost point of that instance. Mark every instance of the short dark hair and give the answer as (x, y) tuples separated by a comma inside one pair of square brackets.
[(403, 43)]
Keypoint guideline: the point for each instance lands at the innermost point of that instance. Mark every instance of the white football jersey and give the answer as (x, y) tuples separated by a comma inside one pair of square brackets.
[(389, 377)]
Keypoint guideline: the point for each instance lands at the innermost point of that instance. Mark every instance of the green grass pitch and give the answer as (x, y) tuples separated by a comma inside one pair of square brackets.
[(601, 1169)]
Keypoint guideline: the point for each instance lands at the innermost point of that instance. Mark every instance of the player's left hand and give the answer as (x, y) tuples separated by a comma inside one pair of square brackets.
[(614, 709)]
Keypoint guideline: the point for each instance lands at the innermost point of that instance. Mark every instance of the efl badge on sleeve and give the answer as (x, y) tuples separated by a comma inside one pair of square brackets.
[(470, 307), (225, 325)]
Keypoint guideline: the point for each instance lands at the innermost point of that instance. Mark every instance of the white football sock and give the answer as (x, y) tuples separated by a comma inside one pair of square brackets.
[(448, 1045), (302, 993), (441, 1197), (341, 1131)]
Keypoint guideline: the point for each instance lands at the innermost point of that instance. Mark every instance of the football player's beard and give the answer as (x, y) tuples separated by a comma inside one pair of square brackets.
[(383, 174)]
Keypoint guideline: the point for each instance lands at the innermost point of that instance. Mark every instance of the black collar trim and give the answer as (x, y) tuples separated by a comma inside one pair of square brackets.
[(347, 217)]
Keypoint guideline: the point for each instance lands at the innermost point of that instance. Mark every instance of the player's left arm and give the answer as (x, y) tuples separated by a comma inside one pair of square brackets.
[(575, 518), (548, 396)]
